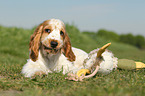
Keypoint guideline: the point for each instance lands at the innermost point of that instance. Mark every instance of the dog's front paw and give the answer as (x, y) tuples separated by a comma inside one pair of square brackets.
[(38, 73)]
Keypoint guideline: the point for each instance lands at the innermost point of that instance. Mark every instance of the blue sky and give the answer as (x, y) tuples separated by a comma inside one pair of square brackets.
[(121, 16)]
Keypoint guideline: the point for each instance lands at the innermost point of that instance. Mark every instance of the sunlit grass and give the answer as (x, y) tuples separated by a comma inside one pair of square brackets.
[(14, 53)]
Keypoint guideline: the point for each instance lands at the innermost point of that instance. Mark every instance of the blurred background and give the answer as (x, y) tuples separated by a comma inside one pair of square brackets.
[(114, 20), (121, 16)]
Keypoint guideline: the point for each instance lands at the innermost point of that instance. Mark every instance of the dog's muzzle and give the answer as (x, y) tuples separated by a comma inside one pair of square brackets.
[(53, 44)]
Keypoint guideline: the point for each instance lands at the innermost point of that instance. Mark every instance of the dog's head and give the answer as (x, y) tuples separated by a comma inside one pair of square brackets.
[(51, 36)]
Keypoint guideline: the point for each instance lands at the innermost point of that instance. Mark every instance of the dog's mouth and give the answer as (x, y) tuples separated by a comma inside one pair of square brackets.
[(50, 50), (46, 48)]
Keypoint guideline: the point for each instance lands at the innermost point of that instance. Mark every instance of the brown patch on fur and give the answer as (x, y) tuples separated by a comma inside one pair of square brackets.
[(44, 35), (67, 49), (35, 43), (48, 27)]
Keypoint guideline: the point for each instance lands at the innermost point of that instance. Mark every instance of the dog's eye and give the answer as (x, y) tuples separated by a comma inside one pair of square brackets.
[(61, 33), (47, 30)]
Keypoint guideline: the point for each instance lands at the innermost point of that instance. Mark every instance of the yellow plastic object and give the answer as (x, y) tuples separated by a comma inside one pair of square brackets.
[(140, 65), (99, 53), (102, 49), (83, 71)]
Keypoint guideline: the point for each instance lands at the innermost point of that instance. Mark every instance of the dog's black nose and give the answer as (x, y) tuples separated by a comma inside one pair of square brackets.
[(53, 44)]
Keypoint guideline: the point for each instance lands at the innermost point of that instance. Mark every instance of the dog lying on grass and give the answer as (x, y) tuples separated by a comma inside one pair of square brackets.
[(51, 51)]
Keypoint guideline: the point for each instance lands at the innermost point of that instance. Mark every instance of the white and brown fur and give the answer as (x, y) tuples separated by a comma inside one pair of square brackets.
[(45, 58)]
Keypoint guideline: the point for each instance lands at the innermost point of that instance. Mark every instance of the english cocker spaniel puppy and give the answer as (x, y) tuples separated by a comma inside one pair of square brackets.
[(51, 51)]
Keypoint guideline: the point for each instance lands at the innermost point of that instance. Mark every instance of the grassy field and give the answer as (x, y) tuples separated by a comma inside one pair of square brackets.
[(14, 53)]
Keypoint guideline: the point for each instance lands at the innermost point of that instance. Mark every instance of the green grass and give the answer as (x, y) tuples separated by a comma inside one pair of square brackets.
[(14, 52)]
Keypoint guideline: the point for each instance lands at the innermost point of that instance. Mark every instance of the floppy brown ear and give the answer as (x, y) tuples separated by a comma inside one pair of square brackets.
[(67, 49), (35, 43)]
